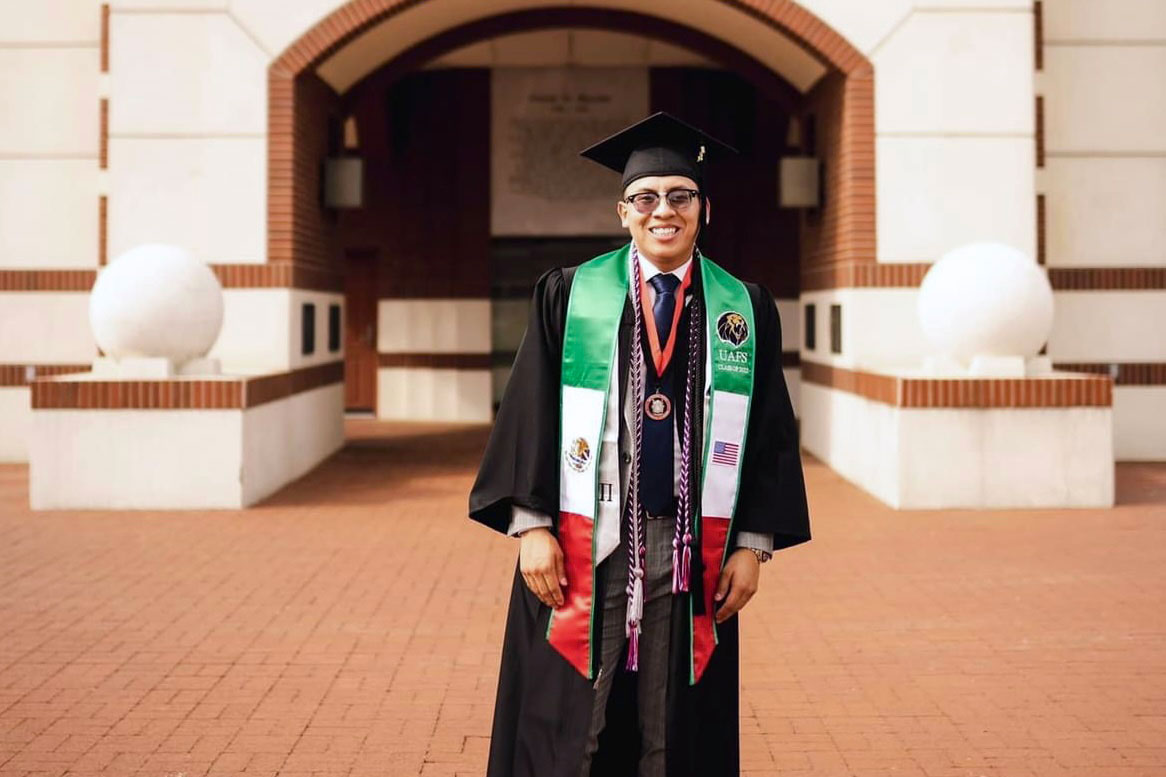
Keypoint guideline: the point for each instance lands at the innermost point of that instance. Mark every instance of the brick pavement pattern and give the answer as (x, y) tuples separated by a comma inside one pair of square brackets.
[(351, 625)]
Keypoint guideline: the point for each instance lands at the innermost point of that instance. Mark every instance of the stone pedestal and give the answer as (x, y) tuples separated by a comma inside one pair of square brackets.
[(919, 442), (179, 443)]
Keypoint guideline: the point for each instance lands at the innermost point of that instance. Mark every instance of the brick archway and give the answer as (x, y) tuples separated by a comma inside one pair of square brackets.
[(356, 16), (840, 245)]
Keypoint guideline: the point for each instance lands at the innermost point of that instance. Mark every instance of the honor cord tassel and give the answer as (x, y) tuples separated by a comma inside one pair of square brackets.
[(633, 664), (635, 616)]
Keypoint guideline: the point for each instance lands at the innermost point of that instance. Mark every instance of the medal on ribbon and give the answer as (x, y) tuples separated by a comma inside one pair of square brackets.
[(658, 407)]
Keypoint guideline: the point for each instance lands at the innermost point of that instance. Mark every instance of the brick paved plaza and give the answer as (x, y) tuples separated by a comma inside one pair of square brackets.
[(352, 625)]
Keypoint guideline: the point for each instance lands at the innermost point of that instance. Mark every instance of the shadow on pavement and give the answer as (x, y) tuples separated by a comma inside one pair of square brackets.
[(399, 460), (382, 461), (1141, 483)]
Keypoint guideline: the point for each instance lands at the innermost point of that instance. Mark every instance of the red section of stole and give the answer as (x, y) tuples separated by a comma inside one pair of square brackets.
[(570, 630), (714, 535)]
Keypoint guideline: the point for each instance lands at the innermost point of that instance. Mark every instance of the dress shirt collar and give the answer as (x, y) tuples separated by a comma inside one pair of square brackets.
[(649, 270)]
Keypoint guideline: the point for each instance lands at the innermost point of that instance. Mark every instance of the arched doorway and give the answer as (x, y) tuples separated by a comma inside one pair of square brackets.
[(816, 82)]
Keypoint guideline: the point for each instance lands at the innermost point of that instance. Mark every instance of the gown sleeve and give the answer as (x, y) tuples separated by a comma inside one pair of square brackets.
[(772, 498), (520, 466)]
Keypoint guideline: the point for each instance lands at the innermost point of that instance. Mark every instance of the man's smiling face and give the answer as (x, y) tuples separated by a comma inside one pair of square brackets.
[(666, 235)]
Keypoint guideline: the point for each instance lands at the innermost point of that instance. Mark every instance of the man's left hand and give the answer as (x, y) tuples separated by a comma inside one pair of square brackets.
[(738, 583)]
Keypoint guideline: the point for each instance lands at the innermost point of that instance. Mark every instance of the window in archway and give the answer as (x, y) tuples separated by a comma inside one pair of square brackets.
[(835, 329), (308, 329), (333, 328)]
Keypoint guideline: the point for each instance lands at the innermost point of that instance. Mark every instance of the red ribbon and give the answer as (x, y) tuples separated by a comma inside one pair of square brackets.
[(661, 358)]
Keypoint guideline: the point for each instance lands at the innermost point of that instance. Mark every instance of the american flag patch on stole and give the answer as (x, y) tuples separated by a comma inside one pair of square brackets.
[(725, 453)]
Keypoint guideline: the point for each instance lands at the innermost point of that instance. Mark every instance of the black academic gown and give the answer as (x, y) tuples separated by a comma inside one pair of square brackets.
[(543, 706)]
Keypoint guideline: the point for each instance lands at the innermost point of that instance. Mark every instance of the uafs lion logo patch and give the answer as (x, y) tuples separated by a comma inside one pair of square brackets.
[(732, 328)]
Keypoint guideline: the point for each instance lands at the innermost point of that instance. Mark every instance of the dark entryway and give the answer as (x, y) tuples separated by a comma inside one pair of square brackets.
[(360, 329)]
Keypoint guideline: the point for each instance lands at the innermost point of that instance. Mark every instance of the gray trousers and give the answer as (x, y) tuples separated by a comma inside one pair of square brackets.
[(652, 677)]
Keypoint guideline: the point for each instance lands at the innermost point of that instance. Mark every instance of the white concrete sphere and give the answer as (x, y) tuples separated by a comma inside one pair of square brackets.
[(156, 300), (986, 299)]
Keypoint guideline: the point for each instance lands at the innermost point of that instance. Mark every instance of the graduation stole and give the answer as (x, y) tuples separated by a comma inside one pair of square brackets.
[(589, 499)]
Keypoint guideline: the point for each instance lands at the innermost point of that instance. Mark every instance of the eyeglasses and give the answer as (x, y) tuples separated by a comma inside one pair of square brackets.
[(647, 202)]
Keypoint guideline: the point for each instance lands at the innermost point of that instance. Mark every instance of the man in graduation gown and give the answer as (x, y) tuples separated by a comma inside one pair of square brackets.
[(598, 677)]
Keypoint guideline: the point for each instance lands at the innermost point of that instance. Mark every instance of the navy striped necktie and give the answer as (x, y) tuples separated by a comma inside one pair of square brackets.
[(664, 307)]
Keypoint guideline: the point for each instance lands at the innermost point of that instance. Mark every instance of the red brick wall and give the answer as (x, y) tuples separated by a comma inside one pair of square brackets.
[(317, 110), (838, 124)]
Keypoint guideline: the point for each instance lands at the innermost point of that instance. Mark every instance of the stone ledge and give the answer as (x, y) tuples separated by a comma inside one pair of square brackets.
[(84, 392), (1056, 390)]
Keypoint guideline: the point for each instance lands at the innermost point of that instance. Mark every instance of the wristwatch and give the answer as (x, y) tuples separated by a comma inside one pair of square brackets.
[(762, 555)]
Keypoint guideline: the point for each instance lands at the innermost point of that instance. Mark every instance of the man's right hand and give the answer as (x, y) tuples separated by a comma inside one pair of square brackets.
[(540, 559)]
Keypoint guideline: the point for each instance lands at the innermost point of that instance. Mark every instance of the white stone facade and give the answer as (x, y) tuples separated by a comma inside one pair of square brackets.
[(1103, 85), (956, 160)]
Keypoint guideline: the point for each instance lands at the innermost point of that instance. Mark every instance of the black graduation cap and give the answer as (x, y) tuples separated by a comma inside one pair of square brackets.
[(659, 145)]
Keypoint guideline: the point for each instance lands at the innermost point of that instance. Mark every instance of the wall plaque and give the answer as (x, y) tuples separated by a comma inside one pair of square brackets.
[(541, 119)]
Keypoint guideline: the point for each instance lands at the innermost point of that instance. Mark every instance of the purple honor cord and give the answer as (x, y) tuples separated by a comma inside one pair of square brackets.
[(682, 537)]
